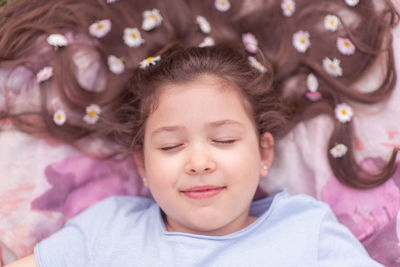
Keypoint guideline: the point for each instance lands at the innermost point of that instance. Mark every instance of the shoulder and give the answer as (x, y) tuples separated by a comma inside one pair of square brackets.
[(100, 226), (335, 244), (299, 217), (108, 217), (112, 207), (299, 206)]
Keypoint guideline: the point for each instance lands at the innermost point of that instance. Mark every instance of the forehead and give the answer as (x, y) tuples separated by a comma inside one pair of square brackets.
[(205, 98)]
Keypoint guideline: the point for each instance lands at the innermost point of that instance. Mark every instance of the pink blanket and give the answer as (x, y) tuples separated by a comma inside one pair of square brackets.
[(43, 183)]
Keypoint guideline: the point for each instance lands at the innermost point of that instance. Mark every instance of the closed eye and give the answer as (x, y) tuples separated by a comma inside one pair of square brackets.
[(167, 148), (230, 141)]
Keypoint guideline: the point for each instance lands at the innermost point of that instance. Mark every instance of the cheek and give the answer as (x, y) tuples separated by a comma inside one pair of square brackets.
[(245, 155), (162, 169), (241, 165)]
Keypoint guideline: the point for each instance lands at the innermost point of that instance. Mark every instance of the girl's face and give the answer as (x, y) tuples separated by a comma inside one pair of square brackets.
[(202, 157)]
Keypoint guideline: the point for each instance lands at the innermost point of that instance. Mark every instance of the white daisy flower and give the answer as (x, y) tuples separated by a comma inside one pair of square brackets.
[(352, 2), (250, 42), (312, 83), (301, 41), (151, 19), (331, 22), (59, 117), (115, 64), (222, 5), (256, 64), (132, 37), (208, 41), (149, 61), (92, 114), (332, 67), (44, 74), (343, 113), (288, 7), (345, 46), (100, 28), (203, 24), (338, 151), (57, 40)]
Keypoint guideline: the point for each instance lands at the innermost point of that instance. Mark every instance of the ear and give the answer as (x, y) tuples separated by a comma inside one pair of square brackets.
[(138, 157), (266, 152)]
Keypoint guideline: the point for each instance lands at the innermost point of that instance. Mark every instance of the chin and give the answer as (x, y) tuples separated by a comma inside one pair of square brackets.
[(211, 229)]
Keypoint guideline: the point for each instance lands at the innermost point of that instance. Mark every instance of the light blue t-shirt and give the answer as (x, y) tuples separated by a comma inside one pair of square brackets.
[(129, 231)]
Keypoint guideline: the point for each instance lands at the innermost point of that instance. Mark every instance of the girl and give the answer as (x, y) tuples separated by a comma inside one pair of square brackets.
[(318, 50), (202, 122)]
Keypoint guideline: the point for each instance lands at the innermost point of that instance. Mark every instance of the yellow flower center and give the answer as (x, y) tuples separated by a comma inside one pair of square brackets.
[(100, 26), (222, 3), (344, 112), (346, 44), (134, 36), (338, 148), (288, 6), (92, 114), (332, 67), (332, 23), (303, 40), (59, 117), (153, 16), (149, 59)]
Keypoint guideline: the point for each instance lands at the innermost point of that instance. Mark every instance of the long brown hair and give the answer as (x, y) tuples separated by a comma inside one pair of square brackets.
[(25, 25), (226, 61)]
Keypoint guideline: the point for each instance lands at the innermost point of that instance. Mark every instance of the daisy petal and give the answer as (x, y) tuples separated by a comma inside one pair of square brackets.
[(203, 24), (338, 151), (345, 46), (288, 7), (312, 83), (132, 37), (151, 19), (44, 74), (59, 117), (208, 41), (332, 67), (343, 113), (57, 40), (149, 61), (301, 41), (331, 22), (100, 29), (250, 42), (256, 64), (115, 64), (352, 2), (222, 5), (92, 114)]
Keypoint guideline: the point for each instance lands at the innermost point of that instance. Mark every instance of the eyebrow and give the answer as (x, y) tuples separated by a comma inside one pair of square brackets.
[(167, 129), (214, 124)]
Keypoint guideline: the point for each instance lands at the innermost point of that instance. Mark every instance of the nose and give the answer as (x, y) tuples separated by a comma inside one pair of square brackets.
[(199, 161)]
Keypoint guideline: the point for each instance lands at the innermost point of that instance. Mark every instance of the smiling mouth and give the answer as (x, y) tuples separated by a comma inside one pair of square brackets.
[(203, 192)]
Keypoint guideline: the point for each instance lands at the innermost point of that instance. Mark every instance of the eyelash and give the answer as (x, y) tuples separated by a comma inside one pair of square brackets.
[(170, 147), (222, 142), (230, 141)]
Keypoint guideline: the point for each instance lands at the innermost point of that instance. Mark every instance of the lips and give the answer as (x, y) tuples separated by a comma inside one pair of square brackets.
[(203, 192)]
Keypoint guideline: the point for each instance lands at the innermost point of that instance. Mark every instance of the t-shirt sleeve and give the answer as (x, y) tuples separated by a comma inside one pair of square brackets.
[(72, 245), (339, 247)]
